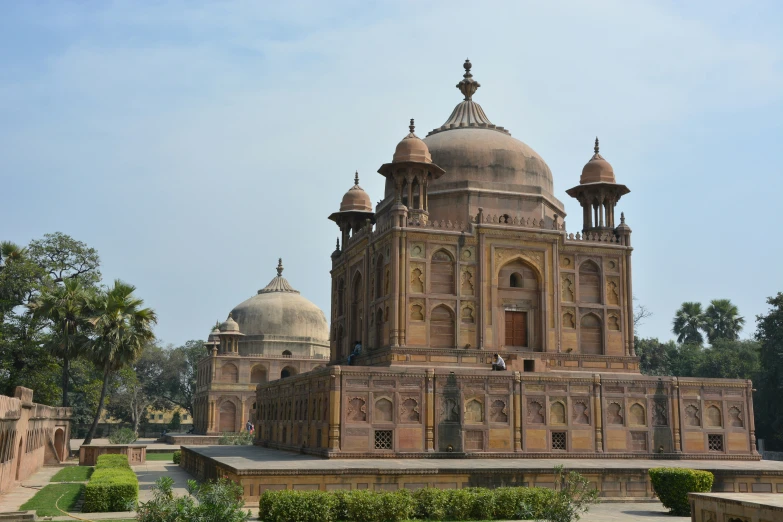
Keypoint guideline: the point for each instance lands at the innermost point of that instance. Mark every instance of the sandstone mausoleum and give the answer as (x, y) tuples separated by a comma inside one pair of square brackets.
[(468, 255)]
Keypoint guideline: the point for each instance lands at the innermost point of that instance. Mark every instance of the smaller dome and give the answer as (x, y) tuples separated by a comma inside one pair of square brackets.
[(597, 170), (229, 326), (356, 198), (213, 335), (412, 148)]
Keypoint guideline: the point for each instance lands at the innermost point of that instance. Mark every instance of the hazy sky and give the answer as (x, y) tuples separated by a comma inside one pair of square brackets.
[(194, 143)]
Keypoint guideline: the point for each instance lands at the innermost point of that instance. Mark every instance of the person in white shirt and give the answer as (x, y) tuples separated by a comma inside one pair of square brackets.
[(499, 365)]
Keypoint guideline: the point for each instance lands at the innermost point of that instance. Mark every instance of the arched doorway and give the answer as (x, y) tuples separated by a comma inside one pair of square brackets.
[(59, 443), (288, 371), (228, 417), (591, 335)]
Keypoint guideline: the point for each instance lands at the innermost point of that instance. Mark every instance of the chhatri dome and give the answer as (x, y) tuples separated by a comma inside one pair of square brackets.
[(597, 170), (278, 312), (356, 199)]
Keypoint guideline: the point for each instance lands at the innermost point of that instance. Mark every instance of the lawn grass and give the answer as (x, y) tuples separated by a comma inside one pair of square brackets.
[(161, 456), (73, 474), (44, 501)]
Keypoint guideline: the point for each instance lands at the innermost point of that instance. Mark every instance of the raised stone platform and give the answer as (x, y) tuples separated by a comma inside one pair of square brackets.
[(181, 439), (259, 469), (739, 507)]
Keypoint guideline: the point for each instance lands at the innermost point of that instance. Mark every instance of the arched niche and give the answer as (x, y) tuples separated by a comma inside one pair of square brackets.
[(442, 272), (229, 373), (442, 327), (228, 417), (288, 371), (589, 282), (519, 295), (591, 335), (258, 374)]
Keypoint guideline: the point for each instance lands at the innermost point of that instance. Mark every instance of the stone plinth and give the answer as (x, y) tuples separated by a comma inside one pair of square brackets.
[(739, 507), (88, 455), (258, 469)]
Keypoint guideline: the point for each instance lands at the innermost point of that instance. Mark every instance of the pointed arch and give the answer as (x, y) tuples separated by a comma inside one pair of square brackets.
[(227, 412), (357, 306), (530, 273), (591, 334), (229, 373), (379, 287), (288, 371), (258, 374), (589, 282), (442, 272), (378, 328), (442, 327)]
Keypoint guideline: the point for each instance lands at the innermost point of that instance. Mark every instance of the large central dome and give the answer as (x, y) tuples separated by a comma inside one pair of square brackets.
[(485, 166)]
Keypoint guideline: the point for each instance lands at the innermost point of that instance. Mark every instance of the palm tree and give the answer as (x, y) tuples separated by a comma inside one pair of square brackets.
[(122, 328), (10, 252), (688, 321), (65, 306), (722, 320)]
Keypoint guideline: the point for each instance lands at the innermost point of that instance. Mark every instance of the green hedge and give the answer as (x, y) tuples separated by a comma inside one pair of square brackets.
[(112, 461), (508, 503), (672, 486), (112, 487), (177, 457)]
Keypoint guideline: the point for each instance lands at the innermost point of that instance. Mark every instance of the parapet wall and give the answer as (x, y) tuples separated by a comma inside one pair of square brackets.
[(375, 412), (31, 435)]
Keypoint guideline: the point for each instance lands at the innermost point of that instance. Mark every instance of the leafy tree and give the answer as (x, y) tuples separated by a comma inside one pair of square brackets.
[(122, 329), (86, 390), (176, 422), (730, 360), (686, 359), (722, 320), (767, 404), (63, 257), (179, 374), (130, 399), (654, 356), (65, 307), (688, 322)]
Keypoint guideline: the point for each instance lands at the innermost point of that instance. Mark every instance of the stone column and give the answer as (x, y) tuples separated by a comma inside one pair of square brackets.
[(676, 415), (394, 269), (335, 402), (517, 411), (750, 417), (242, 416), (598, 413), (211, 416), (429, 417), (479, 291)]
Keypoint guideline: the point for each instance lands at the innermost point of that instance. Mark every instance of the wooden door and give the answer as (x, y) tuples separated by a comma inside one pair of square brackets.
[(516, 328)]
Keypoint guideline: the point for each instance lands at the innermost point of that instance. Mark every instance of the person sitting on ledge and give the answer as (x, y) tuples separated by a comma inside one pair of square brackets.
[(499, 365), (357, 349)]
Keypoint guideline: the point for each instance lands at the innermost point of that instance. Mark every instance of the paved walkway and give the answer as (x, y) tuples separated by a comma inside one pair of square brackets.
[(150, 443), (15, 497), (631, 512)]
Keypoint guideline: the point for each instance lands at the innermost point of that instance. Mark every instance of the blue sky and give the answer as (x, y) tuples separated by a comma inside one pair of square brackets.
[(194, 143)]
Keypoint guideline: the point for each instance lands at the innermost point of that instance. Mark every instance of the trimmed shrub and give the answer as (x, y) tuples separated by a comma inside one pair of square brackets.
[(302, 506), (672, 486), (177, 457), (112, 461), (516, 503), (111, 489), (243, 438), (430, 503), (372, 506), (123, 436)]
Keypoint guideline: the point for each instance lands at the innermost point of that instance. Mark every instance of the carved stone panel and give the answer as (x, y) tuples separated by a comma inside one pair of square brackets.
[(409, 411), (449, 410), (613, 322), (712, 415), (417, 309), (498, 412), (467, 254), (474, 411), (735, 416), (692, 414), (356, 409), (614, 413), (566, 262), (569, 320), (567, 288), (383, 411), (613, 290), (637, 415), (417, 278), (581, 411), (535, 411), (557, 412), (467, 316), (611, 264), (466, 281), (417, 250)]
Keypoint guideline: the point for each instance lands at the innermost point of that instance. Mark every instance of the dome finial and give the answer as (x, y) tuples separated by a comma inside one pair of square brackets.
[(412, 127), (468, 86), (622, 218), (596, 145), (279, 266), (356, 179)]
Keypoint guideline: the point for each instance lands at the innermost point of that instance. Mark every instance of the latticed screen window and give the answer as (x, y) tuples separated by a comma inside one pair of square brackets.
[(383, 439), (715, 442), (558, 440)]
